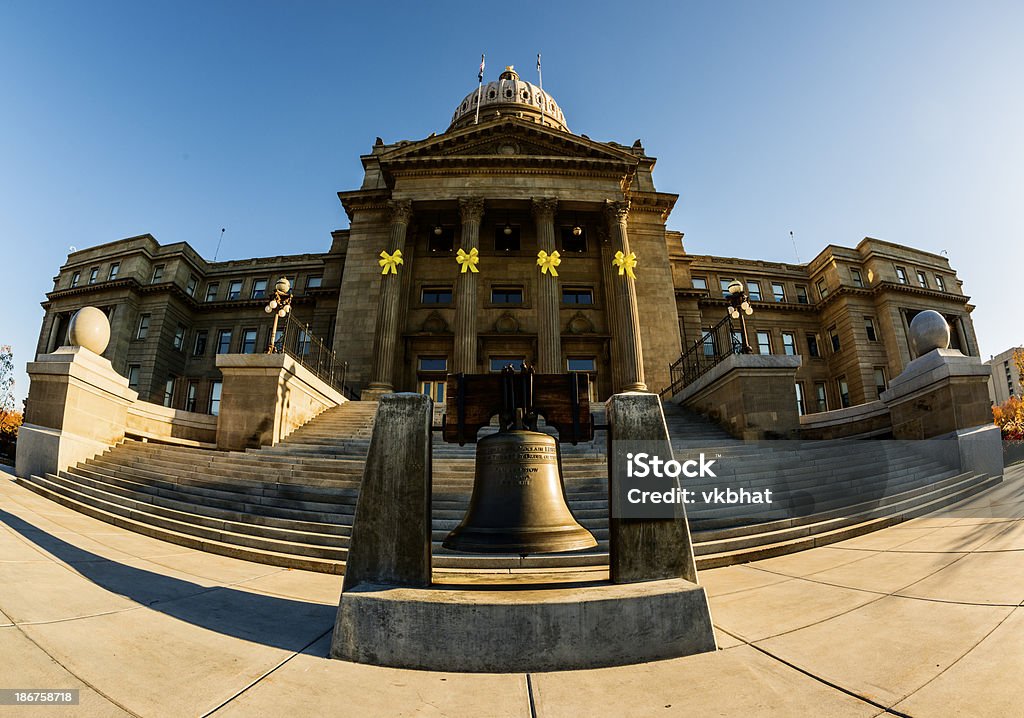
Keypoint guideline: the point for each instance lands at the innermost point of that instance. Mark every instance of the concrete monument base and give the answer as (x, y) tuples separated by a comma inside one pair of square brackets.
[(506, 629)]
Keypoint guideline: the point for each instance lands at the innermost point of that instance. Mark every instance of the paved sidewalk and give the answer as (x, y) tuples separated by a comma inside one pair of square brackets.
[(925, 618)]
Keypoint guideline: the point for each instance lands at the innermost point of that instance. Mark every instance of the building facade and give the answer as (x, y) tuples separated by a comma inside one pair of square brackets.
[(502, 190), (1005, 379)]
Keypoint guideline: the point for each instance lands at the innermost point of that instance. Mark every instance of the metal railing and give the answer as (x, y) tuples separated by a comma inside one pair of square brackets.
[(715, 345), (295, 339)]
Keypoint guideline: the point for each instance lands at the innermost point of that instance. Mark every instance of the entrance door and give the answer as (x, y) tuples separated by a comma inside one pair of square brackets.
[(432, 387)]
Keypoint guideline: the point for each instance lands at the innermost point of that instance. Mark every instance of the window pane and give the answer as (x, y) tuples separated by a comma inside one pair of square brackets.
[(259, 289), (812, 345), (869, 327), (433, 364), (499, 363), (114, 269), (700, 283), (857, 281), (581, 364), (224, 342), (577, 296), (764, 343), (800, 399), (215, 389), (235, 290), (801, 295), (158, 273), (509, 295), (779, 292), (314, 282), (724, 283), (436, 295), (249, 341), (754, 291), (788, 343)]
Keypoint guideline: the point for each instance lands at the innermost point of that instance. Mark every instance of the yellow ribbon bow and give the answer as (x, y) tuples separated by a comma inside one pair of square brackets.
[(468, 260), (390, 262), (548, 262), (625, 263)]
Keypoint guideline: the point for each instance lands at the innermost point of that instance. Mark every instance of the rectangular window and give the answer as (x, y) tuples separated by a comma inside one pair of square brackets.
[(779, 292), (215, 389), (259, 289), (496, 364), (700, 283), (179, 338), (572, 242), (922, 279), (844, 392), (737, 341), (303, 343), (587, 364), (190, 396), (789, 343), (812, 345), (211, 291), (819, 389), (133, 376), (224, 341), (869, 328), (901, 275), (158, 273), (93, 274), (764, 343), (114, 269), (433, 364), (880, 384), (75, 278), (169, 391), (200, 346), (577, 296), (801, 295), (833, 334), (754, 291), (143, 330), (249, 341), (800, 409), (314, 282), (507, 295), (443, 241), (822, 288), (506, 238), (436, 295), (190, 288), (724, 284), (857, 281), (235, 289), (279, 341), (940, 283), (709, 343)]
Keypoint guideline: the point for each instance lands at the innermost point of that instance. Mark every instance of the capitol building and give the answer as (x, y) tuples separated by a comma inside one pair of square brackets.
[(476, 215)]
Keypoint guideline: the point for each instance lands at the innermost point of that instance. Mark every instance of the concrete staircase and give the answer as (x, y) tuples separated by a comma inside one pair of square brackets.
[(292, 504)]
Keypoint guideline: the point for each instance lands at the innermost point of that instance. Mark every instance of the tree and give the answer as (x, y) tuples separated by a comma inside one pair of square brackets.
[(7, 410)]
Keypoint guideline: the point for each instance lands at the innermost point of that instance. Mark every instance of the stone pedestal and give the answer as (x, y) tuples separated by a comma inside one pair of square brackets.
[(265, 397), (77, 408), (752, 396), (937, 394)]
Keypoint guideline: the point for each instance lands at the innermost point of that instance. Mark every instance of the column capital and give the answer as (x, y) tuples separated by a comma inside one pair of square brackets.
[(471, 208), (616, 212), (401, 210), (543, 208)]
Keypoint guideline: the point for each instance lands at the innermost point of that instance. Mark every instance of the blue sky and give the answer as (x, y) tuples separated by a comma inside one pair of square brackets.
[(834, 120)]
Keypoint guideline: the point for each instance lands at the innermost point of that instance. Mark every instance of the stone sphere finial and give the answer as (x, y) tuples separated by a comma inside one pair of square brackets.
[(89, 328), (929, 330)]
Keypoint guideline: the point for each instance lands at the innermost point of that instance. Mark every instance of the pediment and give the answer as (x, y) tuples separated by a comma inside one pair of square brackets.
[(507, 140)]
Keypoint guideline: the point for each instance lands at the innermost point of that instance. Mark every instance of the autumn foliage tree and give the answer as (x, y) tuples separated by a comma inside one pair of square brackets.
[(10, 417), (1009, 416)]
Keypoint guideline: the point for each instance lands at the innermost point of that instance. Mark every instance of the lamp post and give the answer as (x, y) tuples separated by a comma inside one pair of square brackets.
[(739, 308), (281, 306)]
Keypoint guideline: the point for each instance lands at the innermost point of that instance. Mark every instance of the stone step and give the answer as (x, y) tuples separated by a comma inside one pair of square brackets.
[(184, 533)]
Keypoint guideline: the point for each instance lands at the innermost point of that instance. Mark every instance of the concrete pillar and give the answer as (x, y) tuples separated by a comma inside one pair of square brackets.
[(382, 375), (629, 351), (549, 330), (472, 210)]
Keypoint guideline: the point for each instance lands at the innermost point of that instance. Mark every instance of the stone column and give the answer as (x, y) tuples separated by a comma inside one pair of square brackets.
[(387, 328), (549, 329), (472, 210), (626, 331)]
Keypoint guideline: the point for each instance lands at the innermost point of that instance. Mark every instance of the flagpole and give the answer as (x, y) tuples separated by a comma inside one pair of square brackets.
[(540, 83), (479, 89)]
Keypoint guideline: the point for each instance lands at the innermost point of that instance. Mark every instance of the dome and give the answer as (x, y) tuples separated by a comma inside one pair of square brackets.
[(512, 96)]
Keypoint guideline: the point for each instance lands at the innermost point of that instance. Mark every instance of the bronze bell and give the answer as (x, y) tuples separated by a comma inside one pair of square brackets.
[(518, 503)]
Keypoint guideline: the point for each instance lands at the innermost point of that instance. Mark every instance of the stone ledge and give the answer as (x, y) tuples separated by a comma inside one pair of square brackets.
[(932, 368), (845, 415), (518, 630), (760, 362)]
